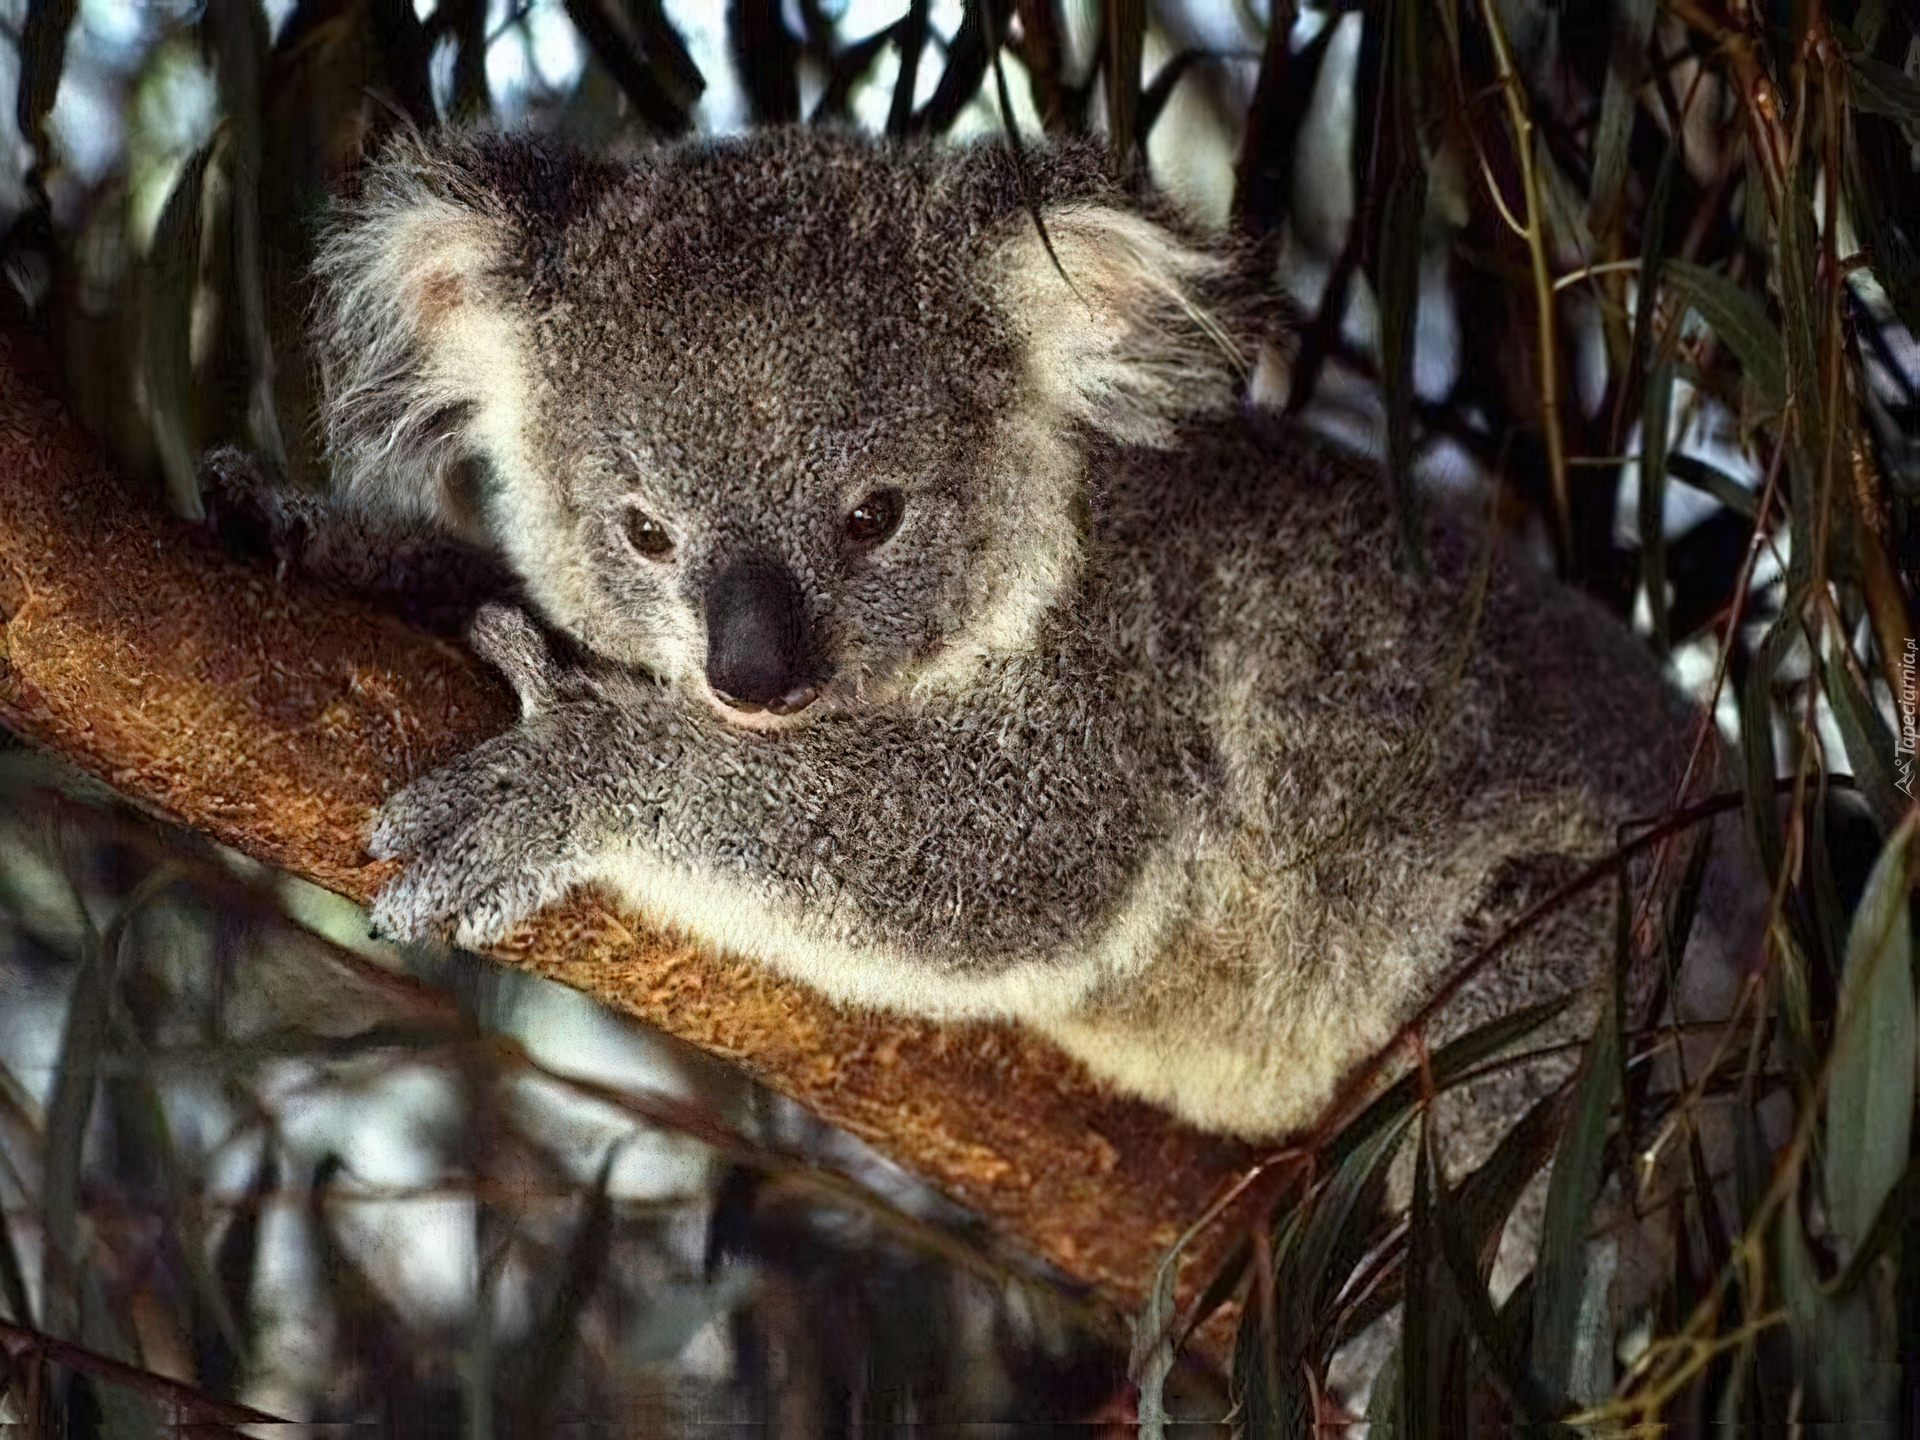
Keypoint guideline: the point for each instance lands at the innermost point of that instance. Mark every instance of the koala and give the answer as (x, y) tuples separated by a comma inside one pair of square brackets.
[(916, 599)]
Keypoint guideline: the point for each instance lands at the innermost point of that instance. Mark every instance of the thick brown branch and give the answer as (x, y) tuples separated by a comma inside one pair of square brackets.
[(274, 717)]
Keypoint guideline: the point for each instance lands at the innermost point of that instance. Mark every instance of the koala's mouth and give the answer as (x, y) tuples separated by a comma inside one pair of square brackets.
[(797, 707)]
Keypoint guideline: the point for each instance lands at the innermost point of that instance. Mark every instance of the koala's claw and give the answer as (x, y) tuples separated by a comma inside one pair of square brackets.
[(487, 848), (459, 894), (409, 822)]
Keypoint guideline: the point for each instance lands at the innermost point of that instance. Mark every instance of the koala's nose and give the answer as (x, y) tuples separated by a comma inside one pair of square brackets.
[(759, 644)]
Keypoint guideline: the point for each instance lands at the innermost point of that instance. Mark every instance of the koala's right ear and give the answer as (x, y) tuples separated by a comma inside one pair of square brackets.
[(1133, 327), (421, 280)]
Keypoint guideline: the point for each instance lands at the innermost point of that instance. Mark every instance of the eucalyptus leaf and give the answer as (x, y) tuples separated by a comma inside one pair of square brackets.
[(1870, 748), (42, 49), (1422, 1326), (1656, 419), (1316, 1257), (1446, 1066), (1461, 1256), (13, 1285), (166, 362), (1125, 36), (1383, 1404), (1153, 1343), (1578, 1169), (1696, 474), (1883, 89), (1759, 765), (1870, 1085), (1740, 319), (1632, 27), (1842, 1351), (1902, 1202)]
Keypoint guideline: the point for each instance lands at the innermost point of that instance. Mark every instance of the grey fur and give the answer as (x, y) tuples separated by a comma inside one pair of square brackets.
[(1135, 732)]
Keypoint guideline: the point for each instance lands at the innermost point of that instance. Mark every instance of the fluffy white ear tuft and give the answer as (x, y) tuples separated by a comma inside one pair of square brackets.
[(1129, 340), (419, 357)]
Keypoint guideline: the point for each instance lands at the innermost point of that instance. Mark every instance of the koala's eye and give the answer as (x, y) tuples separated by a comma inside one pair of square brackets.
[(875, 518), (648, 535)]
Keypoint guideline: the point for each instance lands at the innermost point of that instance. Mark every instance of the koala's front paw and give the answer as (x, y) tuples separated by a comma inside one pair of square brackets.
[(490, 842)]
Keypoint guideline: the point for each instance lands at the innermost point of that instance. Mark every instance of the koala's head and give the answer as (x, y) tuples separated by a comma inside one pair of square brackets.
[(795, 421)]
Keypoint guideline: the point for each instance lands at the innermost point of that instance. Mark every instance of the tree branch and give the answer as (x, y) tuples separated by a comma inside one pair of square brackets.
[(274, 716)]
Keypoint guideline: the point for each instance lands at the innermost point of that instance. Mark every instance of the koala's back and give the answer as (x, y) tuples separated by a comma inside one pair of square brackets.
[(1389, 767)]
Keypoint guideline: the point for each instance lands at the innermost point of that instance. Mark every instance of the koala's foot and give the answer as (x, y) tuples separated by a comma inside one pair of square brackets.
[(493, 836), (246, 510), (436, 581)]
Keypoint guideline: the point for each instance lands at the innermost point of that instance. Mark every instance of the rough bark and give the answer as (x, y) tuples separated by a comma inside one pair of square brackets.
[(273, 716)]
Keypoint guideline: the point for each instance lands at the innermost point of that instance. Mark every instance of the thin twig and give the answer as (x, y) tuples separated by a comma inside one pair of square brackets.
[(1609, 267), (20, 1342), (1535, 234)]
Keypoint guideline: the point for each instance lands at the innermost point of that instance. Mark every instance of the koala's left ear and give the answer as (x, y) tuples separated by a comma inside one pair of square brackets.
[(1143, 327), (422, 280)]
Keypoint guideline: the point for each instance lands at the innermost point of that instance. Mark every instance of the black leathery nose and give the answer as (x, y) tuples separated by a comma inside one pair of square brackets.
[(759, 645)]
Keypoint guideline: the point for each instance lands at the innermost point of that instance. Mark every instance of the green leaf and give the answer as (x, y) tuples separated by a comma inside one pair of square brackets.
[(1759, 766), (1882, 89), (1317, 1255), (1461, 1247), (1869, 742), (1226, 1279), (1740, 319), (83, 1040), (1682, 906), (911, 35), (1870, 1085), (1802, 319), (1153, 1343), (660, 89), (1422, 1323), (1393, 170), (1842, 1357), (1383, 1405), (1619, 100), (1485, 1199), (1125, 35), (13, 1285), (235, 1261), (237, 35), (1640, 344), (1578, 1168), (1696, 474), (43, 53), (1317, 1245), (1433, 1385), (1266, 1400), (1655, 421), (1153, 99), (166, 365), (1447, 1065), (1901, 1204), (17, 1106), (1794, 997)]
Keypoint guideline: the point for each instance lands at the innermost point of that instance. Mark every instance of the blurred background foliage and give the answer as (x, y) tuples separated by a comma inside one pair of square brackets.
[(276, 1174), (1641, 275)]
